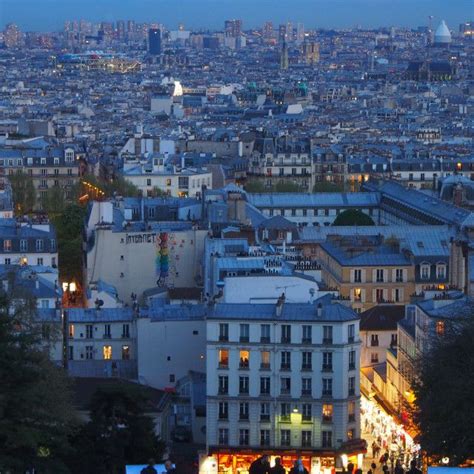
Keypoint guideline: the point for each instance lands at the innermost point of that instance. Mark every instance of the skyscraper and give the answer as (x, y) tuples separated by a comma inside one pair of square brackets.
[(233, 28), (154, 41), (268, 30), (284, 57)]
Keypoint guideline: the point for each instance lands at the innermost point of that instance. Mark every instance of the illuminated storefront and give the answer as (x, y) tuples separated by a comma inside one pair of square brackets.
[(228, 460)]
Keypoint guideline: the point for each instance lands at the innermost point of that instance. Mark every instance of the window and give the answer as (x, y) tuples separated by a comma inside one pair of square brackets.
[(307, 363), (265, 412), (358, 276), (23, 245), (351, 385), (223, 410), (327, 439), (350, 333), (327, 334), (89, 334), (352, 360), (8, 261), (307, 335), (440, 272), (399, 275), (107, 352), (285, 360), (285, 333), (244, 437), (265, 360), (107, 334), (285, 437), (244, 333), (351, 411), (244, 359), (379, 295), (307, 412), (440, 328), (306, 387), (306, 439), (71, 353), (71, 331), (223, 359), (223, 385), (125, 330), (89, 352), (264, 385), (243, 411), (265, 333), (374, 340), (285, 383), (243, 385), (393, 340), (285, 411), (7, 245), (397, 294), (379, 275), (327, 413), (148, 182), (425, 272), (327, 361), (327, 387), (39, 245), (357, 292), (223, 332), (223, 436), (264, 437), (374, 358), (39, 261), (350, 433), (125, 352)]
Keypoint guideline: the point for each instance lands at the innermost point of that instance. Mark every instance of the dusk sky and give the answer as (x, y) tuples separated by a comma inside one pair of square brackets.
[(48, 15)]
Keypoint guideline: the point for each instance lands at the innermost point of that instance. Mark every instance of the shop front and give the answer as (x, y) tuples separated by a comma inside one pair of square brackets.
[(227, 460)]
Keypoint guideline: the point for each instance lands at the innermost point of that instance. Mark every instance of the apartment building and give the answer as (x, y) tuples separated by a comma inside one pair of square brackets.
[(367, 270), (283, 378)]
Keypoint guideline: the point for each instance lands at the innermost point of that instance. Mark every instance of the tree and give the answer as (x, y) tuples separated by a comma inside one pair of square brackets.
[(254, 186), (69, 227), (24, 193), (118, 433), (287, 187), (54, 201), (353, 217), (118, 186), (35, 405), (444, 391), (327, 187)]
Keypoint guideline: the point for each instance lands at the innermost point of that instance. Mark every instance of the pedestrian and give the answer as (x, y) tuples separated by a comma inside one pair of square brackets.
[(260, 466), (278, 467), (399, 468), (372, 469), (350, 468), (385, 469), (150, 468), (298, 468), (170, 469), (413, 469)]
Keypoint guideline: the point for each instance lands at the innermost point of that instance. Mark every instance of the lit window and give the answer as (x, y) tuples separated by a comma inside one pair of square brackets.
[(223, 358), (107, 352), (71, 330), (244, 359), (327, 412), (440, 328), (168, 182), (357, 294), (265, 361)]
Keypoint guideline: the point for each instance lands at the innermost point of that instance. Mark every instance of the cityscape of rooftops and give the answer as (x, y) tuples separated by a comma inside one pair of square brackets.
[(236, 237)]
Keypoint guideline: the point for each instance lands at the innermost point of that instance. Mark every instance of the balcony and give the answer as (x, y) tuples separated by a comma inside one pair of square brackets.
[(327, 419), (350, 339), (107, 336), (306, 392), (326, 368), (306, 340), (327, 340), (285, 340), (327, 393), (285, 367), (223, 338), (244, 339), (223, 365), (265, 340), (264, 417), (223, 391), (352, 366), (243, 417), (307, 367), (264, 366)]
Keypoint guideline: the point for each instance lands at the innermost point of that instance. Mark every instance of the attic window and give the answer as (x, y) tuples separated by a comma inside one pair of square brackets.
[(420, 245)]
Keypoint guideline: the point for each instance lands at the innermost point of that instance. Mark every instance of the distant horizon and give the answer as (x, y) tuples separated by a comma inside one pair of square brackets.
[(50, 15)]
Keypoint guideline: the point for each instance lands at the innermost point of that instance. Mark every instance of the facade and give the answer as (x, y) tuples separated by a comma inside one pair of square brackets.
[(366, 270), (48, 165), (30, 242), (283, 379), (134, 255), (154, 41), (151, 174)]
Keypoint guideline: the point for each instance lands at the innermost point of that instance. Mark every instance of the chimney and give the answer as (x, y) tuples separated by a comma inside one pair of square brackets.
[(279, 305)]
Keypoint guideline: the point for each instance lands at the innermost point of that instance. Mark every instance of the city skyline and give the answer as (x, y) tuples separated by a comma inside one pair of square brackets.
[(37, 16)]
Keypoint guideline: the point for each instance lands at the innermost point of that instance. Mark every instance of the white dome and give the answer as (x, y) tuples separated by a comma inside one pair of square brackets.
[(442, 34)]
